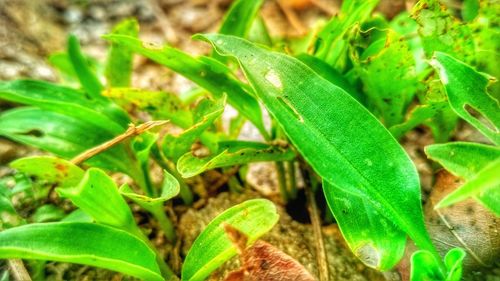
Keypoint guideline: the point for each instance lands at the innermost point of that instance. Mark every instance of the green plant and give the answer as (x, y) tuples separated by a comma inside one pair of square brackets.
[(339, 101)]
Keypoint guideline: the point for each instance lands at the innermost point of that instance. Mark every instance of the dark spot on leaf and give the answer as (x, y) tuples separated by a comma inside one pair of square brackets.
[(33, 133)]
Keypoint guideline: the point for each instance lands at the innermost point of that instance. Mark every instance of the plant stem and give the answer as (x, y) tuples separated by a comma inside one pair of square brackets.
[(280, 168), (164, 222), (292, 181)]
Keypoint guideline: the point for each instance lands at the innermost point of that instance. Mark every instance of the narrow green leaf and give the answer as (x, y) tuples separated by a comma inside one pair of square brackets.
[(83, 243), (232, 153), (56, 171), (466, 90), (374, 239), (98, 196), (463, 159), (119, 63), (205, 114), (66, 101), (87, 77), (485, 181), (62, 135), (239, 17), (206, 72), (329, 44), (212, 247), (48, 213), (341, 140), (170, 189)]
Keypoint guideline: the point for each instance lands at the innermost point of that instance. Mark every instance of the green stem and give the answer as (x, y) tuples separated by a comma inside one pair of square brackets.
[(280, 168), (164, 222), (292, 182)]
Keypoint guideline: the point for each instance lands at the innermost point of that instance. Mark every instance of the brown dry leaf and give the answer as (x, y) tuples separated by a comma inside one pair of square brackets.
[(263, 261), (466, 224)]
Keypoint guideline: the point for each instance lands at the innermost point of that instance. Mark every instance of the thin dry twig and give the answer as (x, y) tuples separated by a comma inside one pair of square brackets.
[(292, 18), (19, 272), (321, 258), (131, 131), (165, 25)]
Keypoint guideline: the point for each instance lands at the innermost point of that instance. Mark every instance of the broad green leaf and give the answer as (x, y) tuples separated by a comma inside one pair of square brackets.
[(56, 171), (82, 243), (374, 239), (87, 77), (470, 9), (66, 101), (389, 77), (119, 62), (206, 72), (98, 196), (161, 105), (232, 153), (329, 73), (213, 247), (425, 267), (338, 137), (486, 181), (467, 95), (204, 116), (62, 135), (170, 189), (239, 17), (77, 216)]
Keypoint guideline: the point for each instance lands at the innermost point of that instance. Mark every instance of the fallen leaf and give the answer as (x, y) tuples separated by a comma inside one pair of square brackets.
[(263, 261)]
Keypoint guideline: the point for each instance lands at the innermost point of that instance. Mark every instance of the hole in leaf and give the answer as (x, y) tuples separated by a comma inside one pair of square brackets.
[(33, 133), (480, 117)]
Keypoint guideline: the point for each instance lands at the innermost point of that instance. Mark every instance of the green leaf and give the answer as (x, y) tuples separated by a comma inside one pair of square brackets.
[(467, 95), (329, 73), (389, 77), (212, 248), (62, 135), (55, 172), (98, 196), (470, 9), (119, 63), (170, 189), (47, 213), (374, 239), (205, 114), (463, 159), (67, 101), (338, 137), (83, 243), (232, 153), (330, 44), (206, 72), (161, 105), (486, 181), (87, 77), (467, 160), (425, 267), (239, 17)]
